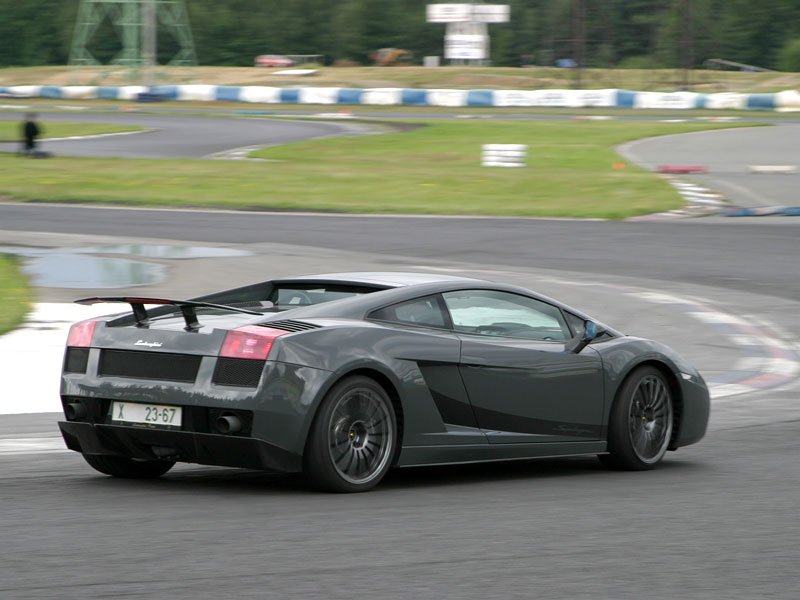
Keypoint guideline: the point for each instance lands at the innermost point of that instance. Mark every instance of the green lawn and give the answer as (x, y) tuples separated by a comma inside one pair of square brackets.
[(10, 130), (432, 170), (15, 294)]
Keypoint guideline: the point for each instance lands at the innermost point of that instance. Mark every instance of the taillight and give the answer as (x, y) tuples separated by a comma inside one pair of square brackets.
[(80, 334), (251, 342)]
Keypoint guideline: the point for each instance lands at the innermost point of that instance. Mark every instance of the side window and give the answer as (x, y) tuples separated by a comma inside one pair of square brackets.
[(493, 313), (575, 323), (425, 312)]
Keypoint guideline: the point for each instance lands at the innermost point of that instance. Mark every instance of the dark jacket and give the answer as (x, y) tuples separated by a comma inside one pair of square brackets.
[(31, 130)]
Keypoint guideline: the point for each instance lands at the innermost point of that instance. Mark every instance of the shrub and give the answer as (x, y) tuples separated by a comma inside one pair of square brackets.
[(789, 57)]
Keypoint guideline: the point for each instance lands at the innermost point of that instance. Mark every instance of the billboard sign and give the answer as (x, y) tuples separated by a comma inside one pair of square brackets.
[(491, 13), (466, 47), (468, 13), (449, 13)]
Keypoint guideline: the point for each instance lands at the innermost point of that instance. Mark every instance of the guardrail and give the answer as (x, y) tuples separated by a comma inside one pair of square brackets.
[(611, 98)]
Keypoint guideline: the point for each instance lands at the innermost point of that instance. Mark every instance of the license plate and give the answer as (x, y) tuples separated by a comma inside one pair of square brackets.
[(155, 415)]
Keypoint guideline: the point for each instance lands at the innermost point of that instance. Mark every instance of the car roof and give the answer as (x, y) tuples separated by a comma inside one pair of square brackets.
[(388, 279)]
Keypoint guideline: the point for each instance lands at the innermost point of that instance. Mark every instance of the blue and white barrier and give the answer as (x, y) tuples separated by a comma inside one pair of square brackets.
[(611, 98)]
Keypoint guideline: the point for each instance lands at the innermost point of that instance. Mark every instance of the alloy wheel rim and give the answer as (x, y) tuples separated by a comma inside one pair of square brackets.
[(650, 419), (360, 436)]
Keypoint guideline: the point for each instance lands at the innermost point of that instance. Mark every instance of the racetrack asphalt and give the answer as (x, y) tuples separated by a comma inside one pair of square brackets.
[(718, 520), (728, 155), (181, 136)]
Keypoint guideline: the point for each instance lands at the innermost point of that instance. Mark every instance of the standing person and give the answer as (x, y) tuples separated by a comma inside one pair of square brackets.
[(30, 131)]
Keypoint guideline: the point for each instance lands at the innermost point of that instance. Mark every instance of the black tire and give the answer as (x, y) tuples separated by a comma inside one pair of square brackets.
[(353, 439), (127, 468), (640, 424)]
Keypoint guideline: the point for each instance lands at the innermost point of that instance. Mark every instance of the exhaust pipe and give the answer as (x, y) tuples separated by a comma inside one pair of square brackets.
[(229, 424), (164, 452), (75, 411)]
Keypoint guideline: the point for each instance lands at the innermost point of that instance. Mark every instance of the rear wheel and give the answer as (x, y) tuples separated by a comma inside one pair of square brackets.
[(353, 439), (640, 424), (127, 468)]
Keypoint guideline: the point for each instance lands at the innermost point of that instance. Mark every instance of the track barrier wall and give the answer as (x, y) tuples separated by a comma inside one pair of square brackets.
[(611, 98)]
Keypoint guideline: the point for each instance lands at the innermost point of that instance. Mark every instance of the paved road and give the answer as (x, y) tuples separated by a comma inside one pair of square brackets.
[(756, 258), (728, 156), (181, 136), (719, 520)]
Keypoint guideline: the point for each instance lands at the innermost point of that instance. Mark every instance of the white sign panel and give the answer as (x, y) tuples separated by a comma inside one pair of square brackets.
[(466, 13), (491, 13), (466, 47), (449, 13)]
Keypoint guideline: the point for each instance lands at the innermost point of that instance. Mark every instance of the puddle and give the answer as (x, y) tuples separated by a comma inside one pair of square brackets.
[(71, 271), (77, 268), (168, 252)]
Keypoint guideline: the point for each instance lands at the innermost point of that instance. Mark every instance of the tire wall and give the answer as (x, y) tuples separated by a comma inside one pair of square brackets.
[(610, 98)]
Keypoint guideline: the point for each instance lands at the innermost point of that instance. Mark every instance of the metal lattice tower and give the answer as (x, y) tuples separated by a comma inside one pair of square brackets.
[(135, 23)]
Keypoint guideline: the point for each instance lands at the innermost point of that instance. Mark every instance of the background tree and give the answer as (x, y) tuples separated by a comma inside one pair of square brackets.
[(643, 33)]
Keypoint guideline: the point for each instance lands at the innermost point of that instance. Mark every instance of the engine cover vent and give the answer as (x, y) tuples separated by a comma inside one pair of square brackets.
[(289, 325)]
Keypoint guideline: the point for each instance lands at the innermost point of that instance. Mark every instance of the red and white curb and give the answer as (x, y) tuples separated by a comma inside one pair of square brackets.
[(768, 357), (700, 201)]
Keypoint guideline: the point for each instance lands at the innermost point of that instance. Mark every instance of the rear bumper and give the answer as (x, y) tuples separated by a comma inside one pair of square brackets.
[(181, 446)]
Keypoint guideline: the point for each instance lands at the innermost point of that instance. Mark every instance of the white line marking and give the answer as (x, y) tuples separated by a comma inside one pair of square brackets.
[(718, 317), (730, 389), (17, 446), (777, 366), (95, 136), (657, 297)]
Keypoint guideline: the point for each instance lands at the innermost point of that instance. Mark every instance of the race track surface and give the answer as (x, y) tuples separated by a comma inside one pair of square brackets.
[(728, 155), (753, 257), (717, 520), (171, 136)]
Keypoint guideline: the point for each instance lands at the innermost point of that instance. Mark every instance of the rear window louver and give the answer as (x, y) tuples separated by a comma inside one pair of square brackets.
[(288, 325)]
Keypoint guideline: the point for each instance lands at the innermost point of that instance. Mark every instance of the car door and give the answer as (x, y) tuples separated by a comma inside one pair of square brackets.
[(437, 410), (521, 383)]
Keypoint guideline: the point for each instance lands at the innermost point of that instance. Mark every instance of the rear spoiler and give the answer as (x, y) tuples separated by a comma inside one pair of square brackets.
[(187, 308)]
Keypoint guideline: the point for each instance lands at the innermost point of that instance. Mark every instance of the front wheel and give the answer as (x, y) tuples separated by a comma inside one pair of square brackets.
[(353, 439), (128, 468), (640, 424)]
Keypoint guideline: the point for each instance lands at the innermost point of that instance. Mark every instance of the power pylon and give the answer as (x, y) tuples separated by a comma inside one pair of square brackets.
[(135, 23)]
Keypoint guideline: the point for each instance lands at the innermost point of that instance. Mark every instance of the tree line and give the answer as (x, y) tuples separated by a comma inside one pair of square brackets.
[(613, 33)]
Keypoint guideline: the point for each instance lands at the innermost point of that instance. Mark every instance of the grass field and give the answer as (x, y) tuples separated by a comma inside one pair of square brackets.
[(15, 294), (10, 131), (431, 170), (450, 77)]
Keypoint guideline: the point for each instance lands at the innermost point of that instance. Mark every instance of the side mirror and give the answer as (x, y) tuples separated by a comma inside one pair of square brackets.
[(591, 332)]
